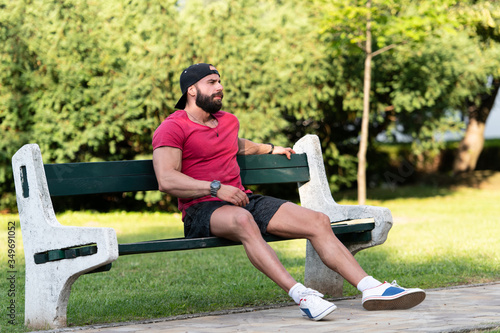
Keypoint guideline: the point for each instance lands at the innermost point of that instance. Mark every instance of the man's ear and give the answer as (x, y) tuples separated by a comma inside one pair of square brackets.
[(192, 91)]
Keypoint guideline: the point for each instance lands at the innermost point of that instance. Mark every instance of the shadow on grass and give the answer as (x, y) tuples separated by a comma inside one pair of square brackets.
[(427, 186)]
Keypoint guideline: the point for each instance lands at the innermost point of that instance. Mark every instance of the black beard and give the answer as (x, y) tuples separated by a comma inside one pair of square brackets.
[(207, 103)]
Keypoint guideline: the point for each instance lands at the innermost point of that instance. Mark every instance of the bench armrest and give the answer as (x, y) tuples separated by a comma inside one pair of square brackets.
[(48, 284)]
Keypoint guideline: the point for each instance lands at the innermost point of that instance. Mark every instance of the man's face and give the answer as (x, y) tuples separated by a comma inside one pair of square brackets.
[(209, 93)]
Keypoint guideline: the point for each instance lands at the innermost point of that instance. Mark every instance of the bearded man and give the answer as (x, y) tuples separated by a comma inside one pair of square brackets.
[(194, 157)]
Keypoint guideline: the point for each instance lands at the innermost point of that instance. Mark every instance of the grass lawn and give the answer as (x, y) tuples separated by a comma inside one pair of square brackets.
[(441, 237)]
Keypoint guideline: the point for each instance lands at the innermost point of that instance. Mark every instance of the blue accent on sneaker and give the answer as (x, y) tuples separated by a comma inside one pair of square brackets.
[(392, 297), (313, 306), (308, 313), (391, 291)]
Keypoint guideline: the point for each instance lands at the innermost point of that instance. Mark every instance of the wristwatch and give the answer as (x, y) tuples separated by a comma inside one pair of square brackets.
[(214, 187)]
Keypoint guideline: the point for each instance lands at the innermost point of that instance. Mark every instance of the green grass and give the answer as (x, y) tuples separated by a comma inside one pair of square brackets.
[(441, 237)]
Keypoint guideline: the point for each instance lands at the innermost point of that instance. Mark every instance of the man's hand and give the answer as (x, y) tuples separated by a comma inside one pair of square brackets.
[(283, 151), (233, 195), (247, 147)]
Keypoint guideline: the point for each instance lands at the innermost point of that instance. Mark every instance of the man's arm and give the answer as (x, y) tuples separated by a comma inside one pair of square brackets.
[(167, 163), (247, 147)]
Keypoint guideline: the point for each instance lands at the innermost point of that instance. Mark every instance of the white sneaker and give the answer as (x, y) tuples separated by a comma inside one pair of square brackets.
[(392, 297), (313, 306)]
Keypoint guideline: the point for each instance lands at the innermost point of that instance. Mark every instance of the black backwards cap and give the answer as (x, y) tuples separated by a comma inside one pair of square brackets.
[(190, 76)]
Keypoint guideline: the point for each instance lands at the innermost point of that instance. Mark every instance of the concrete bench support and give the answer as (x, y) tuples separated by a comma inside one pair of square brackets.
[(48, 285), (316, 195)]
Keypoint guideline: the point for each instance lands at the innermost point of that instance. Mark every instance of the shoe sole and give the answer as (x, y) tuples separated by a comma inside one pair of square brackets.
[(403, 302), (322, 315)]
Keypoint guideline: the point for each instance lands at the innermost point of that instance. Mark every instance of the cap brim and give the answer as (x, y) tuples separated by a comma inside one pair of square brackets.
[(181, 104)]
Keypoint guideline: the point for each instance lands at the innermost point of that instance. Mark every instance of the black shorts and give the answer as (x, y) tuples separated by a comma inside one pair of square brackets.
[(197, 220)]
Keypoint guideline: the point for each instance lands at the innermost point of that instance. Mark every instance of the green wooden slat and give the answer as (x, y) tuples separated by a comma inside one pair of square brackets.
[(128, 176), (41, 258), (55, 255), (86, 250), (104, 268), (273, 169), (340, 228), (271, 161), (59, 254), (103, 185), (70, 254), (172, 245), (348, 233), (85, 170), (24, 182), (274, 176), (100, 177), (357, 237)]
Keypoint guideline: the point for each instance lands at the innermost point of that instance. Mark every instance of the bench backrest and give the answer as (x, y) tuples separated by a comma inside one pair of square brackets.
[(129, 176)]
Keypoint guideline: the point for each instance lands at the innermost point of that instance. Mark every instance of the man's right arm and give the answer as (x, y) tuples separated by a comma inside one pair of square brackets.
[(167, 163)]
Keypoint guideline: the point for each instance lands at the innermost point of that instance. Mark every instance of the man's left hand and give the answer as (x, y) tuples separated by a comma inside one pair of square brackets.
[(283, 151)]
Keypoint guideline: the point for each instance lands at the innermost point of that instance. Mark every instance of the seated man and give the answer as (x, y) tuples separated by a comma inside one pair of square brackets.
[(194, 159)]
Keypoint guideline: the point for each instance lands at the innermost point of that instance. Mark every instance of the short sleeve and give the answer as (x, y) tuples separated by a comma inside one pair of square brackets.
[(169, 134)]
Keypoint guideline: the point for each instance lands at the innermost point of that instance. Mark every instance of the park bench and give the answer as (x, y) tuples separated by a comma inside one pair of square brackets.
[(57, 255)]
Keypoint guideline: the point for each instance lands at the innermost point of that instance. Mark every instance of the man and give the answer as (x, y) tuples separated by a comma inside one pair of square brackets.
[(194, 159)]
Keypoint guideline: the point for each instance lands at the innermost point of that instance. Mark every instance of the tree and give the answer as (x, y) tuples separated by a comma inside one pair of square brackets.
[(482, 20), (86, 81), (352, 23), (454, 71), (15, 80), (473, 142), (267, 52), (92, 80)]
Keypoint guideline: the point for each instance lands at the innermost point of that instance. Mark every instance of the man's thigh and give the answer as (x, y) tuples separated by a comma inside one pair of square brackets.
[(294, 221), (197, 220), (223, 222), (258, 212)]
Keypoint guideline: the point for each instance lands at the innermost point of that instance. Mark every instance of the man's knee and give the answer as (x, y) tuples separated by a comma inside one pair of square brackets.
[(321, 227), (320, 221), (243, 221)]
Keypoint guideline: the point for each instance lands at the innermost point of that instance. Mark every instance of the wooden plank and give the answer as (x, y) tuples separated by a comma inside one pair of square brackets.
[(69, 253), (274, 176), (349, 233), (129, 176), (54, 255), (273, 169), (267, 161), (356, 221), (100, 177)]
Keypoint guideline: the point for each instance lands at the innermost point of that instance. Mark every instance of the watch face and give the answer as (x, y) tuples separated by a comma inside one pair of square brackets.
[(214, 187)]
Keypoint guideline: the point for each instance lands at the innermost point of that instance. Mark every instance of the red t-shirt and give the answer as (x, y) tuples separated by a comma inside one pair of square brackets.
[(207, 153)]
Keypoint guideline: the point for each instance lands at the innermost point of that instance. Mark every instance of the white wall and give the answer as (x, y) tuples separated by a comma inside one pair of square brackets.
[(492, 130)]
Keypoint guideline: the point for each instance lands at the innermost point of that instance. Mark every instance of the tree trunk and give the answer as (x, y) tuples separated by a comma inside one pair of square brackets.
[(363, 144), (472, 144)]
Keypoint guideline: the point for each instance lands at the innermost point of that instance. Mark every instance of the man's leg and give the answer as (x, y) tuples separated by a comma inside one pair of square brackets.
[(237, 224), (293, 221)]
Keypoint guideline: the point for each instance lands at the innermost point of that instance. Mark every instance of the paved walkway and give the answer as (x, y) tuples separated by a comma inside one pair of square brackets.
[(459, 309)]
